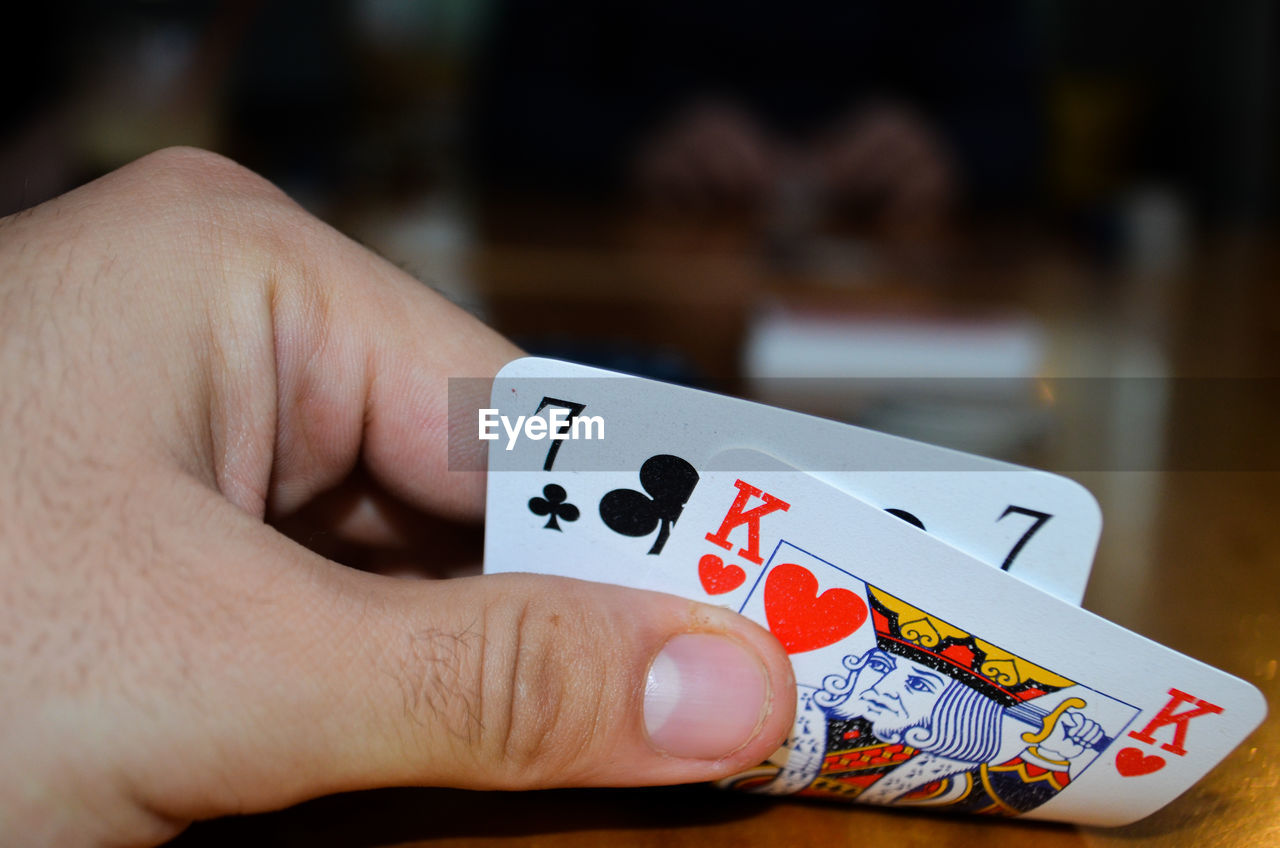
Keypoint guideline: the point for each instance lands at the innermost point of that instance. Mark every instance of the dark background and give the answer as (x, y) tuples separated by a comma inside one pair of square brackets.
[(1080, 103)]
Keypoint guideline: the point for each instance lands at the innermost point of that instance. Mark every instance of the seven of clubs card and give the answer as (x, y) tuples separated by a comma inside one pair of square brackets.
[(926, 597)]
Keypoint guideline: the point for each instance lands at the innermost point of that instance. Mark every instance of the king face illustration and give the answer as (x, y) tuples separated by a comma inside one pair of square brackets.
[(903, 700), (932, 715)]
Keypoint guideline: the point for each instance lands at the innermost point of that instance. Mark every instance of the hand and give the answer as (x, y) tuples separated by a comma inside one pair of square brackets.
[(1069, 738), (888, 158), (713, 154), (186, 358)]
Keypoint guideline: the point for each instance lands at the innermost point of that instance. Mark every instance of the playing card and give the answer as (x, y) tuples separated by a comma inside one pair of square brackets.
[(630, 451), (926, 678)]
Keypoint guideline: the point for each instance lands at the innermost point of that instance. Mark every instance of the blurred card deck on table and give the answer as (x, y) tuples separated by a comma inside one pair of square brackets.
[(926, 597)]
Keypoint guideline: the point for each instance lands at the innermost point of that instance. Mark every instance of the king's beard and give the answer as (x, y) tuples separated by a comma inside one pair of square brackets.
[(886, 723)]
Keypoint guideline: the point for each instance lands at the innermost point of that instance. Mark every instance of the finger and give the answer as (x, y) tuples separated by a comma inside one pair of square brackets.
[(844, 162), (683, 181), (340, 680), (660, 172), (366, 359), (315, 355), (876, 153), (921, 199), (362, 354), (736, 158), (891, 153)]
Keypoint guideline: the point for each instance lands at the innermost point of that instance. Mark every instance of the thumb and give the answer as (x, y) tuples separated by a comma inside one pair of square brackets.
[(556, 682), (494, 682)]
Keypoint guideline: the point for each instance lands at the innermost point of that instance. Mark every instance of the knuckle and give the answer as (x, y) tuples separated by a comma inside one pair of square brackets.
[(544, 693), (202, 202), (194, 173)]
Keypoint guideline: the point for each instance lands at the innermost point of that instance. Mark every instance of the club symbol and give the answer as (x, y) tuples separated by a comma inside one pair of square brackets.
[(552, 503), (669, 480)]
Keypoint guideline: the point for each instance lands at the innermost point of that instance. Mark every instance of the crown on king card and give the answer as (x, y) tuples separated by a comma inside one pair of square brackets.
[(924, 638)]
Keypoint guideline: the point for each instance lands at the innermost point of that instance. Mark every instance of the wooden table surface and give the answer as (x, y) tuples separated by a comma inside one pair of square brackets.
[(1190, 553)]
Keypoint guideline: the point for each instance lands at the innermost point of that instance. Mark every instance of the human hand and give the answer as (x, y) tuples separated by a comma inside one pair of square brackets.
[(186, 358), (890, 160), (711, 155)]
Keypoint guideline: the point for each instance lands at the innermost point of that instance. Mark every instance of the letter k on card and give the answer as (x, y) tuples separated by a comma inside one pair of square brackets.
[(714, 574), (738, 515)]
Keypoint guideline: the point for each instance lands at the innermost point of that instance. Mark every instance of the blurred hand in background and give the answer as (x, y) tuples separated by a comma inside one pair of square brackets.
[(884, 162)]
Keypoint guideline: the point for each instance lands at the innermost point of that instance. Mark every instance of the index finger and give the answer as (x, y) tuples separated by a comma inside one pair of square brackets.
[(365, 355)]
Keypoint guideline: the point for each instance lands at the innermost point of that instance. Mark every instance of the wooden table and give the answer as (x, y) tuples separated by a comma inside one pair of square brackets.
[(1190, 555)]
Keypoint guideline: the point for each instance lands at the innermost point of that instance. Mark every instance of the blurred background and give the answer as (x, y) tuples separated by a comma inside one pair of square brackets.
[(1044, 231), (1028, 229), (1038, 230)]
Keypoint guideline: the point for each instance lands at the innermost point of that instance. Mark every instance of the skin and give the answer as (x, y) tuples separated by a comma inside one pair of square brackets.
[(188, 363), (884, 157)]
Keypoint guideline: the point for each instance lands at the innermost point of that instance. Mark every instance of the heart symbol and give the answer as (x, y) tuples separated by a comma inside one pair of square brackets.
[(802, 619), (718, 578), (1130, 762)]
